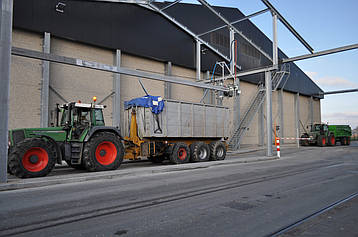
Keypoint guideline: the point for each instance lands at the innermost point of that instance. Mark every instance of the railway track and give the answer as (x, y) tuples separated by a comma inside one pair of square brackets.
[(315, 214), (129, 206)]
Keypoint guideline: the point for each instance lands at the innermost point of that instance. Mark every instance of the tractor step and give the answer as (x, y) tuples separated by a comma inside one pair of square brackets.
[(76, 151)]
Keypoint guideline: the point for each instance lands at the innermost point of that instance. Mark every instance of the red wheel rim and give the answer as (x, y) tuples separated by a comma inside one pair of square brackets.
[(106, 153), (182, 153), (332, 140), (324, 141), (35, 159)]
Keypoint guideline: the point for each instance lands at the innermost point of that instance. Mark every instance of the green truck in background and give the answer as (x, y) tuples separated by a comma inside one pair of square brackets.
[(323, 135)]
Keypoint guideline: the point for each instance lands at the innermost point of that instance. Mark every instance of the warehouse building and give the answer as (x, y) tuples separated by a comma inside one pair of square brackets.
[(133, 36)]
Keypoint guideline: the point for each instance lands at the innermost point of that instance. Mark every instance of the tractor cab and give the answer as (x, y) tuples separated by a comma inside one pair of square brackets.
[(78, 118), (319, 128)]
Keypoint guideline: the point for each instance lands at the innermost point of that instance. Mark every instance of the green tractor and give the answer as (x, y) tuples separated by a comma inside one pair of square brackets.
[(80, 138), (318, 135)]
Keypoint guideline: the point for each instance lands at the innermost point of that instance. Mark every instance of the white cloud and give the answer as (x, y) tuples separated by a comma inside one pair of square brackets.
[(336, 82), (350, 118)]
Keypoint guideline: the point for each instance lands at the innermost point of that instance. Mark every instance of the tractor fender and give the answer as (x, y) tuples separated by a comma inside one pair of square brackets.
[(97, 129), (57, 147)]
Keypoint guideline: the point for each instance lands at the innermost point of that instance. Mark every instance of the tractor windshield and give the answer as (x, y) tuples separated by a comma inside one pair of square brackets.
[(64, 117), (99, 117)]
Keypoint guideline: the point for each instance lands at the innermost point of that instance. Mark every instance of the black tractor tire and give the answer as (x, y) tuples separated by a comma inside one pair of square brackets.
[(331, 140), (32, 157), (321, 140), (104, 151), (180, 153), (304, 142), (199, 152), (217, 151)]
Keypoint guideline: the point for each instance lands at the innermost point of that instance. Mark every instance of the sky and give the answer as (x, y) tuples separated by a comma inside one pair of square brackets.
[(324, 24)]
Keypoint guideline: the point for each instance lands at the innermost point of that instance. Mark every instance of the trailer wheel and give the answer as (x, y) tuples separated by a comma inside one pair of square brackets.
[(331, 140), (199, 151), (180, 153), (343, 141), (348, 141), (217, 150), (32, 157), (104, 151), (321, 140)]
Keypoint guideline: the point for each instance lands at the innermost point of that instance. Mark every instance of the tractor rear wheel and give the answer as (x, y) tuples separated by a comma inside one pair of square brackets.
[(199, 151), (180, 153), (104, 151), (217, 150), (331, 140), (32, 157)]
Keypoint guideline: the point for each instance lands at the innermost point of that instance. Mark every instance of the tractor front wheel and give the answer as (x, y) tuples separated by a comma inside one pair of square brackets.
[(32, 157), (104, 151), (322, 140)]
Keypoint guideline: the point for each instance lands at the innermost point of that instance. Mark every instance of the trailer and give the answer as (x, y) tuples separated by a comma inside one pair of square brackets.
[(323, 135), (181, 132), (342, 133)]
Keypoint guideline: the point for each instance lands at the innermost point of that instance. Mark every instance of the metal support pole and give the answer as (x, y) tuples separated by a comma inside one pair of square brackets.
[(232, 50), (297, 116), (207, 94), (117, 93), (261, 131), (268, 84), (274, 41), (311, 110), (45, 85), (282, 120), (5, 62), (198, 60), (168, 85)]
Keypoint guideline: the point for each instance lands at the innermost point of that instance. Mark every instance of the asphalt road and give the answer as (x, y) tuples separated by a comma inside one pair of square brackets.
[(231, 199)]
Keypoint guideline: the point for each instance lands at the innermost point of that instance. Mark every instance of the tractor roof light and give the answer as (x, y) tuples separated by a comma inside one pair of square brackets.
[(94, 98)]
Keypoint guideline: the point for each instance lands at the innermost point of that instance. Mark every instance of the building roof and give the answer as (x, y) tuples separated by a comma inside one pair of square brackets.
[(139, 31)]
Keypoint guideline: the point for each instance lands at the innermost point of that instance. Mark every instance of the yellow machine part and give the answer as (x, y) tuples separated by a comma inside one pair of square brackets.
[(133, 141)]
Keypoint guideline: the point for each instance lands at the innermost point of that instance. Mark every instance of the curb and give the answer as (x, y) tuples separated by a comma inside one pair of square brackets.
[(83, 177)]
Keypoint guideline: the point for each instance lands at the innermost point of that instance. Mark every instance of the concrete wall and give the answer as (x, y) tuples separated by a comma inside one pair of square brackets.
[(25, 84), (74, 83)]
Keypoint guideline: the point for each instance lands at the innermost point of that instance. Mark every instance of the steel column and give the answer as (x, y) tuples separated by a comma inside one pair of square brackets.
[(168, 85), (198, 60), (311, 110), (268, 85), (297, 116), (232, 50), (274, 41), (116, 109), (282, 119), (261, 130), (45, 85), (6, 7)]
